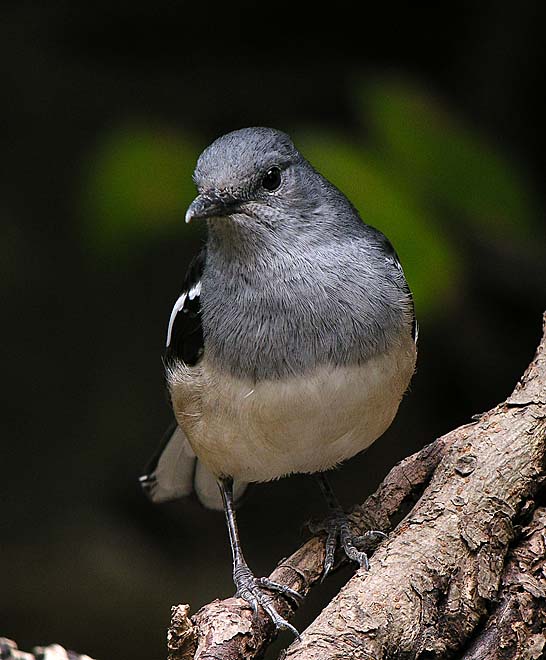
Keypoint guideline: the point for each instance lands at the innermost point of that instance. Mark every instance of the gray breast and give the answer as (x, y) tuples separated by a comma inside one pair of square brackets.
[(296, 312)]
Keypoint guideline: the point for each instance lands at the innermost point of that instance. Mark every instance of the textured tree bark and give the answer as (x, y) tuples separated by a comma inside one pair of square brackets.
[(10, 651), (516, 627), (444, 570)]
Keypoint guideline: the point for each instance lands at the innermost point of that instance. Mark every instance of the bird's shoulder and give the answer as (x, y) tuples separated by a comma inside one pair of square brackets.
[(376, 241), (185, 332), (387, 254)]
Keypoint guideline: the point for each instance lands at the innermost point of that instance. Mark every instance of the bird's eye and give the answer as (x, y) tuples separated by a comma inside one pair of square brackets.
[(272, 179)]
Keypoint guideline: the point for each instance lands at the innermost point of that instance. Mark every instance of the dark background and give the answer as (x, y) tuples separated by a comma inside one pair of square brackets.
[(429, 118)]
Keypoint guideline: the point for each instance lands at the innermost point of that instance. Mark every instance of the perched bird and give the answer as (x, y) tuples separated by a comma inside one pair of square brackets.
[(291, 345)]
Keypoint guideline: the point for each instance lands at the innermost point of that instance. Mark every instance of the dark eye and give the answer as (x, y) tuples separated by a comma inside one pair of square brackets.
[(272, 179)]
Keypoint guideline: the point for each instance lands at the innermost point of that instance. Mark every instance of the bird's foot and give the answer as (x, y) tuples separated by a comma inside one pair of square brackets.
[(251, 589), (337, 529)]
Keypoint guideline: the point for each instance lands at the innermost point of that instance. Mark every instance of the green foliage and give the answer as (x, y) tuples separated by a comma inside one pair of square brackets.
[(445, 162), (138, 186), (423, 178), (420, 176)]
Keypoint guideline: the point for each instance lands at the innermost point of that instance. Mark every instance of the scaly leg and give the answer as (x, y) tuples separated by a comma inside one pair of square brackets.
[(249, 587)]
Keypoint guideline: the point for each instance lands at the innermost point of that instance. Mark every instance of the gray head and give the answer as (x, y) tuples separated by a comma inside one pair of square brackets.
[(255, 178)]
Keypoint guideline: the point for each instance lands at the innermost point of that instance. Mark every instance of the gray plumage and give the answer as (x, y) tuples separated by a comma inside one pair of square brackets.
[(294, 279)]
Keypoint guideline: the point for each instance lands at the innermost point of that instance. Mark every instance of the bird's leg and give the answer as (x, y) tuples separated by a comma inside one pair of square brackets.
[(337, 528), (249, 587)]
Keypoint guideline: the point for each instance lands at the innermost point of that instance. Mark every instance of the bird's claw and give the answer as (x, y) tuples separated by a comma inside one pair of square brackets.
[(372, 536), (251, 589), (296, 597), (336, 526)]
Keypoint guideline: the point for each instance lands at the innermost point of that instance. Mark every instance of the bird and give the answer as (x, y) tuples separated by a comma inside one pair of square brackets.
[(290, 347)]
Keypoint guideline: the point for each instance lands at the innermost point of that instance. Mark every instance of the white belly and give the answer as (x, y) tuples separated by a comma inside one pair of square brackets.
[(265, 430)]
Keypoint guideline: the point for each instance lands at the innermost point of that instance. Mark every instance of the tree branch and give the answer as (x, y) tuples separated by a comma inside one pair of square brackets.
[(432, 582), (516, 627), (10, 651)]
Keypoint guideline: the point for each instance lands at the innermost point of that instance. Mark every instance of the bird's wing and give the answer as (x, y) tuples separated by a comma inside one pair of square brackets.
[(392, 258), (174, 471), (184, 332), (170, 472)]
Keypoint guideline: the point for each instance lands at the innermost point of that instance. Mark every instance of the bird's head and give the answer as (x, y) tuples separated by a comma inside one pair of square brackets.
[(252, 177)]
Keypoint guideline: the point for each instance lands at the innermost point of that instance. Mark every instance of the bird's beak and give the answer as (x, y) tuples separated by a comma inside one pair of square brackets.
[(211, 205)]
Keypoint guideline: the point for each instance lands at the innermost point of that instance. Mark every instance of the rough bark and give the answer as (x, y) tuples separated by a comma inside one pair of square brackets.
[(443, 570), (10, 651), (516, 627)]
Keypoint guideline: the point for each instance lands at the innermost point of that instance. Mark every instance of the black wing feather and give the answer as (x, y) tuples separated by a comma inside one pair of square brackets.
[(185, 340)]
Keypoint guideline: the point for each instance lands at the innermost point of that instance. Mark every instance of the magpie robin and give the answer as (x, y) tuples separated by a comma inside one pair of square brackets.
[(291, 345)]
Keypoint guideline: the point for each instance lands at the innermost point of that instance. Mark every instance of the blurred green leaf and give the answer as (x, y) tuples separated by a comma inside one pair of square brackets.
[(138, 185), (429, 260), (446, 162)]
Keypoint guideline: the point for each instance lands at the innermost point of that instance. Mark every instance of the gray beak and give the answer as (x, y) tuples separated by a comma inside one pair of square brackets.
[(211, 205)]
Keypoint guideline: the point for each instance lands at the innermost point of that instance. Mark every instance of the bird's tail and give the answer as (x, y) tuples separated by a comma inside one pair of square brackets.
[(174, 471)]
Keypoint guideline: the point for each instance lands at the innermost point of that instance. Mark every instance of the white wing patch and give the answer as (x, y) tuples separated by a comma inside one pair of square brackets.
[(193, 293), (178, 307)]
